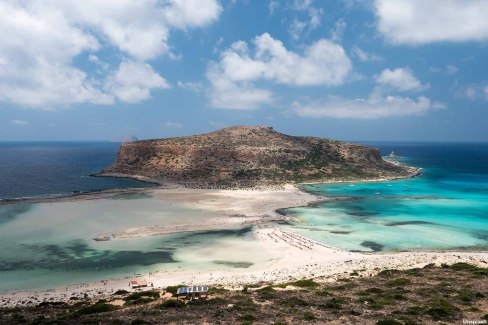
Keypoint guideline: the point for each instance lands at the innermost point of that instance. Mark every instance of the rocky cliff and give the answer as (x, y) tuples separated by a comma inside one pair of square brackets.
[(246, 156)]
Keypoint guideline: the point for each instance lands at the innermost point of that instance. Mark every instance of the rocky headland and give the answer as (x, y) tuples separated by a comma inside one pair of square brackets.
[(250, 156)]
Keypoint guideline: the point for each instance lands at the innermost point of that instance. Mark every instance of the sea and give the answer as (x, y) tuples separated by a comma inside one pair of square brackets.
[(34, 169), (445, 208), (46, 245)]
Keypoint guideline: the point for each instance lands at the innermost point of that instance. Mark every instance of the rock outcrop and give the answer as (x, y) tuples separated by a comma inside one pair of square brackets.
[(248, 156)]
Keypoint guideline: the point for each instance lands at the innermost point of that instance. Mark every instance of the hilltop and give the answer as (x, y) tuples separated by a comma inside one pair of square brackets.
[(248, 156)]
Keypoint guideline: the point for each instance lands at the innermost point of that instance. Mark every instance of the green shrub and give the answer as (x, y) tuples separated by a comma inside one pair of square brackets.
[(99, 307), (51, 303), (121, 292), (334, 303), (442, 309), (300, 283), (141, 297), (374, 290), (294, 301), (388, 272), (400, 282), (469, 268), (214, 290), (171, 303), (140, 294), (173, 289), (308, 316), (247, 319)]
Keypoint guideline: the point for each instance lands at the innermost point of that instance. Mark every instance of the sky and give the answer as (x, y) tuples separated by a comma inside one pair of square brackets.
[(357, 70)]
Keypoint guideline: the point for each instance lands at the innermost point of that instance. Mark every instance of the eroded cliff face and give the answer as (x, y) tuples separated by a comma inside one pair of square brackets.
[(251, 156)]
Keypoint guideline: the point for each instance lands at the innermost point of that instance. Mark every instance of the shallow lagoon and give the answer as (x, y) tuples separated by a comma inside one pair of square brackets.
[(48, 245), (445, 208)]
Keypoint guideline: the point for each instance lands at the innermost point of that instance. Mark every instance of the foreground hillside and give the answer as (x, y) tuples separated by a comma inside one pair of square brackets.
[(431, 295), (250, 156)]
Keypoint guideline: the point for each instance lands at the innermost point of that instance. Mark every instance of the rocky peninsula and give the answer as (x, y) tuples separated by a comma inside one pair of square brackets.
[(244, 156)]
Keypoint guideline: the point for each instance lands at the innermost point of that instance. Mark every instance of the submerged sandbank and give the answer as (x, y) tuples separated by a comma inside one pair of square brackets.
[(181, 235)]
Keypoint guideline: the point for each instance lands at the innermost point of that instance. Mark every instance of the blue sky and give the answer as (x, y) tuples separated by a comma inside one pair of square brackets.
[(387, 70)]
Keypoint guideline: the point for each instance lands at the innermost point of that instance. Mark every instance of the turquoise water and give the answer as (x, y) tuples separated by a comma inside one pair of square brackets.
[(445, 208)]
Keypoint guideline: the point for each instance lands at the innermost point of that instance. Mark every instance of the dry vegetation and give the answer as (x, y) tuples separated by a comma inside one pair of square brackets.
[(431, 295)]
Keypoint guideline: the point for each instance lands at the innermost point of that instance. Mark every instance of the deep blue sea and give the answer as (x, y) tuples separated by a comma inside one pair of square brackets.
[(445, 208), (30, 169)]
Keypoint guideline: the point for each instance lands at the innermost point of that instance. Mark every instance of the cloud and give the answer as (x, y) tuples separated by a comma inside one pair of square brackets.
[(475, 92), (322, 63), (400, 79), (378, 104), (364, 56), (191, 86), (273, 5), (415, 22), (306, 17), (227, 94), (451, 69), (373, 107), (338, 31), (20, 122), (133, 82), (43, 42), (233, 79), (191, 13)]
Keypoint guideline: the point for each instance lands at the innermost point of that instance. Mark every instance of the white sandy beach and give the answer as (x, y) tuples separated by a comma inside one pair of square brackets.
[(277, 255)]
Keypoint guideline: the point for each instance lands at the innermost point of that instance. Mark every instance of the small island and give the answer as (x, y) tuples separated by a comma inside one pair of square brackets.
[(246, 156)]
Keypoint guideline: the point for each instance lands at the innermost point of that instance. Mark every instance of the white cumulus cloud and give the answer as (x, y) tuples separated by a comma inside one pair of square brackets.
[(421, 21), (227, 94), (373, 107), (233, 78), (133, 81), (322, 63), (42, 39), (400, 79)]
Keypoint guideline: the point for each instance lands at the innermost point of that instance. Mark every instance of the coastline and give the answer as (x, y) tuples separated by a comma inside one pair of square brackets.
[(100, 194), (293, 257)]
